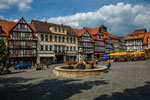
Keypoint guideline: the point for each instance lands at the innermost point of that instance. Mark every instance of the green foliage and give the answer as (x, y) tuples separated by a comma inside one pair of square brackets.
[(129, 57), (148, 53), (3, 51)]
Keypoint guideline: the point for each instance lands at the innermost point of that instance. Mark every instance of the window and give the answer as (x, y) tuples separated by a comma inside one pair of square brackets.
[(74, 49), (41, 47), (55, 29), (59, 38), (50, 38), (55, 48), (74, 40), (46, 37), (67, 48), (136, 36), (59, 48), (18, 26), (59, 29), (131, 36), (50, 48), (46, 47), (71, 40), (42, 37), (67, 39), (70, 48), (63, 39), (55, 38), (63, 30), (64, 49), (23, 26)]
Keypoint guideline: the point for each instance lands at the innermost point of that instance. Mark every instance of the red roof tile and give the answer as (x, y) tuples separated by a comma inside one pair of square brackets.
[(92, 31), (7, 26), (107, 34), (79, 32)]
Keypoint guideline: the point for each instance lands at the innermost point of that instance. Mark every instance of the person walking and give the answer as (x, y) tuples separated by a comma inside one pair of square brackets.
[(108, 65), (47, 65)]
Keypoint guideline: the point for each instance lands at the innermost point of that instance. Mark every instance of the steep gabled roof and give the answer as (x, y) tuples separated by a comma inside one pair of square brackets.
[(137, 34), (79, 32), (147, 35), (92, 31), (43, 27), (140, 31), (107, 34), (7, 26)]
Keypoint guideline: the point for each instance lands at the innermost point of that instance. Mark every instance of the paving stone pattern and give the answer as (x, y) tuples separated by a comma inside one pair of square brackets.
[(125, 81)]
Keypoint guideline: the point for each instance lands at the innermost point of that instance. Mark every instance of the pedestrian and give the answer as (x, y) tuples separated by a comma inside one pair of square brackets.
[(47, 65), (96, 61), (108, 65), (42, 68)]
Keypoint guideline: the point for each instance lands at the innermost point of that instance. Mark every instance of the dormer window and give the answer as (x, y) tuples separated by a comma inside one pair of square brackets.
[(136, 36), (131, 36)]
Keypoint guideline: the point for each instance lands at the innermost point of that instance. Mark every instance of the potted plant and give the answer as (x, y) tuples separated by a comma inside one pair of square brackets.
[(74, 62), (69, 63)]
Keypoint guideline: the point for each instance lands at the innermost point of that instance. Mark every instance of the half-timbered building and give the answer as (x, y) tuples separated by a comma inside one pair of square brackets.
[(86, 42), (115, 41), (22, 43), (146, 41), (122, 44), (99, 44), (134, 41)]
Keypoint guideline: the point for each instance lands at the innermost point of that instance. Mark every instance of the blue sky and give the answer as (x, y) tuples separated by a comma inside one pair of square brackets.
[(116, 16)]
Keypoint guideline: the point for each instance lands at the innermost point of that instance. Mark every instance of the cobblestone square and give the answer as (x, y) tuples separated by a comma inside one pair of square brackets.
[(125, 81)]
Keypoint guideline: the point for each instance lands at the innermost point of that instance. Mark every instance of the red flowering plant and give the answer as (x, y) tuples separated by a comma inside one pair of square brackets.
[(74, 62), (69, 63)]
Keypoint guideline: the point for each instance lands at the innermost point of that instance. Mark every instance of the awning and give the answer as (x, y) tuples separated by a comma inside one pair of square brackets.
[(137, 53), (72, 54), (118, 54), (46, 55)]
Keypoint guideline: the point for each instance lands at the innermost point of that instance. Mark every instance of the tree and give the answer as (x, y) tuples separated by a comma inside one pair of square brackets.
[(148, 53), (3, 51)]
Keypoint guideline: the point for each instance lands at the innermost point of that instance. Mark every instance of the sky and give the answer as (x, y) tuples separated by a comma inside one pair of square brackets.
[(121, 17)]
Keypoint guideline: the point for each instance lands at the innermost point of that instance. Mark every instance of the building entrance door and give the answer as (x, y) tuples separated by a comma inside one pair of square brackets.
[(60, 58)]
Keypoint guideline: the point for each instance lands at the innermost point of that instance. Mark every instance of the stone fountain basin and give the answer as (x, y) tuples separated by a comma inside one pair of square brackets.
[(73, 73)]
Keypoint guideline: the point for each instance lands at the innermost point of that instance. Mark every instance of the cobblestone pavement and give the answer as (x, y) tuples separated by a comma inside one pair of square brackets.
[(125, 81)]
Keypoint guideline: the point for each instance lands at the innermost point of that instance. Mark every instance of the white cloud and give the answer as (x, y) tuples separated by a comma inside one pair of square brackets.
[(22, 4), (119, 18), (9, 19), (15, 20), (1, 17), (43, 19)]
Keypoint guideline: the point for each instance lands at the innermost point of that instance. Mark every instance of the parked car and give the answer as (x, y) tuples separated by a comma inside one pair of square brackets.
[(23, 66)]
